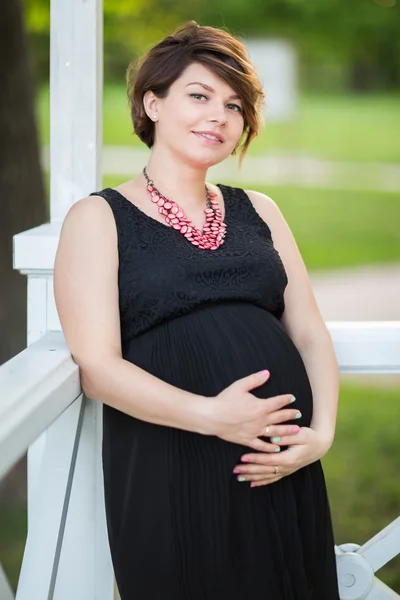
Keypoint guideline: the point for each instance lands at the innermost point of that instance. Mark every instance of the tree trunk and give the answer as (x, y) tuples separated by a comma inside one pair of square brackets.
[(23, 205), (23, 202)]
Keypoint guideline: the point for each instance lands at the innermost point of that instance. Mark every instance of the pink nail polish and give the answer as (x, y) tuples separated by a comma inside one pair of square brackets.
[(296, 429), (236, 470), (244, 459), (252, 485)]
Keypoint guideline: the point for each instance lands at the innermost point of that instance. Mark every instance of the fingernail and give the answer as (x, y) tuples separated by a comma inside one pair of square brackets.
[(293, 398), (244, 459), (264, 373), (236, 471), (298, 416), (253, 485), (296, 429), (241, 478), (276, 439), (277, 449)]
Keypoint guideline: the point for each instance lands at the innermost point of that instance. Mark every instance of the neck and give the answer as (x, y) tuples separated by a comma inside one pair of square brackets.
[(179, 181)]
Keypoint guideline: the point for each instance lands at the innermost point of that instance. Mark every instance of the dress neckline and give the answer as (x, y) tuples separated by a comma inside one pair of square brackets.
[(145, 215)]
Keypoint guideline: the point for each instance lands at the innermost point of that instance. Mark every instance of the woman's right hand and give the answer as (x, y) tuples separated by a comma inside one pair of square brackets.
[(240, 417)]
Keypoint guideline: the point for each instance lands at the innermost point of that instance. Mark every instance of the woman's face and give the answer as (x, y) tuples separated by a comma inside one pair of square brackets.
[(199, 104)]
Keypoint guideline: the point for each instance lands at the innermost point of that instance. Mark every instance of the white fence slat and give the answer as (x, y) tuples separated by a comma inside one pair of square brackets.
[(85, 570), (37, 327), (53, 321), (50, 506), (37, 385), (384, 546), (37, 301), (366, 346), (34, 254), (381, 591)]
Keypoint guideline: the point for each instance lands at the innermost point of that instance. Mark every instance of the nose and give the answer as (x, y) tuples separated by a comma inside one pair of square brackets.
[(221, 121), (218, 116)]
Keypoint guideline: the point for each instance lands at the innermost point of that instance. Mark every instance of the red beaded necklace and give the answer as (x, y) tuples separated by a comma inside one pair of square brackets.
[(213, 233)]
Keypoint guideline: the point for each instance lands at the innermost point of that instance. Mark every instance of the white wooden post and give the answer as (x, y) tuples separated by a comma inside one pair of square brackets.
[(84, 570)]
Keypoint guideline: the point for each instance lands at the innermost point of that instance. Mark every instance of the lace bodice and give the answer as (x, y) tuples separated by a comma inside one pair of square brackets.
[(162, 275)]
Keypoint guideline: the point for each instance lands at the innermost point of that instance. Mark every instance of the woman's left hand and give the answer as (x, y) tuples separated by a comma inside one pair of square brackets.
[(304, 448)]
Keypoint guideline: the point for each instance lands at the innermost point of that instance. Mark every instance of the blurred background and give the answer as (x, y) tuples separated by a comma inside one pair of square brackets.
[(328, 155)]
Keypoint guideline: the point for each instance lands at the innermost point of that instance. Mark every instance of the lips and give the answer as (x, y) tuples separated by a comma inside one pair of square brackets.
[(213, 134)]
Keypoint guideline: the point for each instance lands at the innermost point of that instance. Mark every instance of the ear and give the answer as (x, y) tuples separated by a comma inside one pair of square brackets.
[(150, 105)]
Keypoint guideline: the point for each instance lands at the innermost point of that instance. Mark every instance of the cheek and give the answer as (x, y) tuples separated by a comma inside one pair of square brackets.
[(172, 129), (237, 131), (240, 127)]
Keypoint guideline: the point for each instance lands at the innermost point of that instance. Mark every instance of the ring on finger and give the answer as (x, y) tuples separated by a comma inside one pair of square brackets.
[(276, 469), (267, 430)]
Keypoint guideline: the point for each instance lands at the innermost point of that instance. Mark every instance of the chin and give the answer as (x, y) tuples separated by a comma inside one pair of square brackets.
[(207, 161)]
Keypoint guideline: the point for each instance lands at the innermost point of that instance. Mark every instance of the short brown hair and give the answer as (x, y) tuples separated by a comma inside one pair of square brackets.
[(216, 49)]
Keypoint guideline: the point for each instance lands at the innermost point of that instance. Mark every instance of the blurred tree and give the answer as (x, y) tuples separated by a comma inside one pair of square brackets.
[(362, 36), (23, 205), (21, 184), (130, 27)]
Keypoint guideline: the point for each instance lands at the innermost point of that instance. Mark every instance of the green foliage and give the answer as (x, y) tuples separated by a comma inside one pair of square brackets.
[(335, 228), (363, 465), (360, 36), (37, 16), (13, 531)]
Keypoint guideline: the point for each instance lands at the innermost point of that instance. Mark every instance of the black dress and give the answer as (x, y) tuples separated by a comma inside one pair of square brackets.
[(180, 525)]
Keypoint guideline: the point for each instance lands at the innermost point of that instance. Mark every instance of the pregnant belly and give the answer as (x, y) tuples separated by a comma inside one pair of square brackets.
[(172, 489), (156, 477), (211, 347)]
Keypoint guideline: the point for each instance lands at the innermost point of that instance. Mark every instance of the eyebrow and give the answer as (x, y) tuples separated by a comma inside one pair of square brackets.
[(210, 89)]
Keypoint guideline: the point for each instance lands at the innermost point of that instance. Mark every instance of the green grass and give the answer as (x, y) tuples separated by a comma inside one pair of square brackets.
[(348, 128), (362, 473), (13, 530), (362, 468), (334, 228), (353, 128), (339, 229)]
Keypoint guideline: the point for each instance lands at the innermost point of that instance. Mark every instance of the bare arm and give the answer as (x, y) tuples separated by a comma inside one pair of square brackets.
[(303, 321), (86, 293)]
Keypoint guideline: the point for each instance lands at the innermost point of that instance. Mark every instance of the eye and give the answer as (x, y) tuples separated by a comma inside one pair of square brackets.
[(237, 107), (197, 96)]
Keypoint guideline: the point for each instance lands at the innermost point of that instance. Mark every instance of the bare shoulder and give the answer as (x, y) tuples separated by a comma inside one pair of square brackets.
[(89, 207), (91, 216), (270, 212), (88, 234), (264, 205)]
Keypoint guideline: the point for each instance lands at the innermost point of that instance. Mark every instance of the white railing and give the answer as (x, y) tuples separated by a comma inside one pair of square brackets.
[(66, 554)]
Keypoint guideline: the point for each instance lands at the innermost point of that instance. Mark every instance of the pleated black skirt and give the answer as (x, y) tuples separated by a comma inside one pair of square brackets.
[(180, 525)]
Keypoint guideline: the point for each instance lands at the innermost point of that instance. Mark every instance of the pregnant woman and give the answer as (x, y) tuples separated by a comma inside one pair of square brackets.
[(189, 311)]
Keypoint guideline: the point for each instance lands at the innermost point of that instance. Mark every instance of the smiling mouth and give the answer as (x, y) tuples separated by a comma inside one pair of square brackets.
[(208, 136)]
